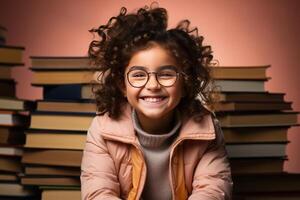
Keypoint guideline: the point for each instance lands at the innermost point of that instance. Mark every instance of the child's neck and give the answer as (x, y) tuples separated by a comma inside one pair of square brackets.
[(157, 126)]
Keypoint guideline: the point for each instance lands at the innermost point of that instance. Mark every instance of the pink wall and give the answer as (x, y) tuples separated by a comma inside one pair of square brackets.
[(241, 33)]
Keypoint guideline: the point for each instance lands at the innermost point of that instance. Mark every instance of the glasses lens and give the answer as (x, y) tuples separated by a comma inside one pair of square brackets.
[(137, 78), (167, 77)]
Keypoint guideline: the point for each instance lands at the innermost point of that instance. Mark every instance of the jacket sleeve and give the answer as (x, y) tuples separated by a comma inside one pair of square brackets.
[(212, 177), (98, 174)]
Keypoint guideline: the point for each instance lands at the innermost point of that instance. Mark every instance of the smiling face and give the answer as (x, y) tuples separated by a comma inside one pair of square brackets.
[(153, 102)]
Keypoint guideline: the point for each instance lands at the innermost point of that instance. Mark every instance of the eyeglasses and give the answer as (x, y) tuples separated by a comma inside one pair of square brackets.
[(139, 77)]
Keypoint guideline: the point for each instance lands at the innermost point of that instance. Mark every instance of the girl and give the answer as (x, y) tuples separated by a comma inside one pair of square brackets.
[(153, 138)]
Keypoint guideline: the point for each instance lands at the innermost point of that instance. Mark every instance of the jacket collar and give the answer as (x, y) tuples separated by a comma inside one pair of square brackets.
[(123, 130)]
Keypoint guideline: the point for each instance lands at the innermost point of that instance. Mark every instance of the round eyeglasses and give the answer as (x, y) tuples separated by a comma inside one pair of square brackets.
[(139, 77)]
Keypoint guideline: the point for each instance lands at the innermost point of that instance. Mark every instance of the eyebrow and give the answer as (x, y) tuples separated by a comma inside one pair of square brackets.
[(159, 68)]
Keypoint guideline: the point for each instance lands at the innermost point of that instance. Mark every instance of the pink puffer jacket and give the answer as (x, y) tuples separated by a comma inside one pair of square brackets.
[(113, 166)]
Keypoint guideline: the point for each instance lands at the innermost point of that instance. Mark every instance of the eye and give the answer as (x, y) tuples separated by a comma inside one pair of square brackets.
[(167, 74), (137, 74)]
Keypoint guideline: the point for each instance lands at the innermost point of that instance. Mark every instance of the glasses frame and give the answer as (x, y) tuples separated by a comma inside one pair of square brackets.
[(148, 77)]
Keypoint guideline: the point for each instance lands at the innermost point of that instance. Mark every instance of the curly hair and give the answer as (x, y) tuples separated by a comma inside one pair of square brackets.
[(125, 34)]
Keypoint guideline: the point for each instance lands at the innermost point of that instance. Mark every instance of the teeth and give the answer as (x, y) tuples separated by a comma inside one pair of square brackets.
[(153, 99)]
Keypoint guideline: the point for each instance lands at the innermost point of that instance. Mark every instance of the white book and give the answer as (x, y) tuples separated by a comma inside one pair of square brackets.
[(240, 85), (11, 151)]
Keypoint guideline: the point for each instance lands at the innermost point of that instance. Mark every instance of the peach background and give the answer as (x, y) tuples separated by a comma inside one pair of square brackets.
[(255, 32)]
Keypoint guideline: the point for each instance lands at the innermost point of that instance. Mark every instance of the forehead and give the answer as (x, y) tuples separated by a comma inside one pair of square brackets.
[(152, 58)]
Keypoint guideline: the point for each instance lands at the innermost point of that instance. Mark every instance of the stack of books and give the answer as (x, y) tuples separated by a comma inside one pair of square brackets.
[(14, 118), (255, 123), (57, 134)]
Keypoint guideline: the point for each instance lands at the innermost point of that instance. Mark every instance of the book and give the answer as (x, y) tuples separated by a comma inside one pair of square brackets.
[(250, 97), (258, 119), (5, 73), (10, 118), (239, 72), (240, 85), (8, 103), (281, 182), (67, 106), (11, 55), (15, 189), (255, 134), (62, 194), (59, 63), (55, 121), (11, 135), (11, 151), (10, 164), (52, 170), (269, 196), (8, 177), (67, 92), (256, 150), (49, 180), (8, 88), (55, 140), (256, 165), (70, 158), (252, 106), (63, 77)]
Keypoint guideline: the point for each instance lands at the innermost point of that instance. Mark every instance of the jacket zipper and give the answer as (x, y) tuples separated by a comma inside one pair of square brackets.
[(141, 182), (174, 146)]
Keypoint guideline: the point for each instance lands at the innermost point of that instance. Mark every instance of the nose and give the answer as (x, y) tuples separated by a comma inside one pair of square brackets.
[(152, 82)]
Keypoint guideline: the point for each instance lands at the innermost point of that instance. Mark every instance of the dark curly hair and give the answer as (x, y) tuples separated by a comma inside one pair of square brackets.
[(125, 34)]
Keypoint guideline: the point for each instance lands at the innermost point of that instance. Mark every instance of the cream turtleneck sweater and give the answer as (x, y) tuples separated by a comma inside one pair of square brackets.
[(156, 149)]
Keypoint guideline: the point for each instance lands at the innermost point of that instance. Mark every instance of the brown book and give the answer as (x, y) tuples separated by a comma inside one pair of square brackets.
[(11, 55), (50, 180), (8, 103), (53, 157), (252, 106), (282, 182), (8, 88), (14, 190), (240, 72), (258, 119), (255, 134), (52, 170), (63, 194), (10, 164), (63, 77), (257, 165), (55, 140), (11, 135), (59, 63), (8, 177), (66, 106), (11, 118), (5, 73), (69, 122)]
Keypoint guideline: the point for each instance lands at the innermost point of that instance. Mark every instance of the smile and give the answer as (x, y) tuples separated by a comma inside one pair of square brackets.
[(153, 99)]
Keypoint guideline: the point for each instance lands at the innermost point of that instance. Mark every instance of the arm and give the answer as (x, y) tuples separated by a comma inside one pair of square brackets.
[(212, 177), (98, 174)]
